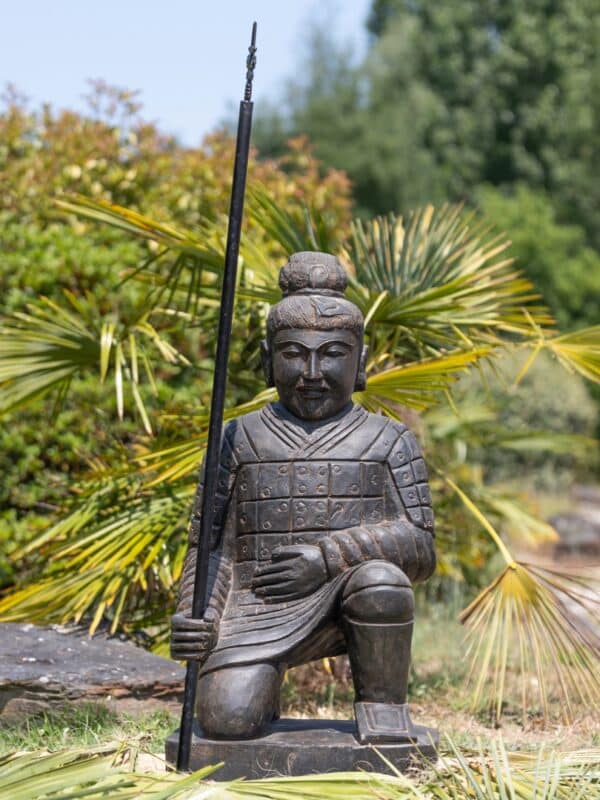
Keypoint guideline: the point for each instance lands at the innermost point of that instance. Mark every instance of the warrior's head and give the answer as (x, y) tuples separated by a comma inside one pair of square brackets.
[(314, 351)]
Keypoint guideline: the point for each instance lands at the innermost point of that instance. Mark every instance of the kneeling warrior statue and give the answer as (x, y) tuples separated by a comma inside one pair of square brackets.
[(323, 522)]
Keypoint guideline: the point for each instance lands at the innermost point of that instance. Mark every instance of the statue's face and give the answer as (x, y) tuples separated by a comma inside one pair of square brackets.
[(315, 371)]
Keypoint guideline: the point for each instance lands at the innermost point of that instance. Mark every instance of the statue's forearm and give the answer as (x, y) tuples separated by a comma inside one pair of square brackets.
[(219, 582), (399, 542)]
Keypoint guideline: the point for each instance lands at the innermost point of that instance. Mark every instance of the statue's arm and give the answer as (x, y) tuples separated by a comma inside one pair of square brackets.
[(219, 566), (408, 539)]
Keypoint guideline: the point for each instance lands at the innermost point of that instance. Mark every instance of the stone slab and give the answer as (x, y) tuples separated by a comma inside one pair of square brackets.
[(42, 668), (302, 747)]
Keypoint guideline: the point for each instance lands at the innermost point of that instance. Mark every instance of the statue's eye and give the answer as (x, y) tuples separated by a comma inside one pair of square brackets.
[(291, 352), (334, 351)]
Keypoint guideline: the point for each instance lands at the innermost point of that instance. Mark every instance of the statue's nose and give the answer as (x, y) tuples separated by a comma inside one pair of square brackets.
[(313, 368)]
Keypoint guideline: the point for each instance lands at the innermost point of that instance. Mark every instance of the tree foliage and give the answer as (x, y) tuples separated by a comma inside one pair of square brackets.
[(130, 357), (453, 96)]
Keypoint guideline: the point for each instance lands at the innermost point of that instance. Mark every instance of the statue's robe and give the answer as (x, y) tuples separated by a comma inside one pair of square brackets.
[(355, 485)]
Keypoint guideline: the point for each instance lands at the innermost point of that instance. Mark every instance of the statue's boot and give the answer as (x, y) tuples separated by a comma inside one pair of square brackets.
[(378, 609)]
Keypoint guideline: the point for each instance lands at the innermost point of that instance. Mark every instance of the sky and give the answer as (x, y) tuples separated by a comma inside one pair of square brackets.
[(186, 56)]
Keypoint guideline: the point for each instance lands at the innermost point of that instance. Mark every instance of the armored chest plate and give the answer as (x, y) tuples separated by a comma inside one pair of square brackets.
[(294, 502)]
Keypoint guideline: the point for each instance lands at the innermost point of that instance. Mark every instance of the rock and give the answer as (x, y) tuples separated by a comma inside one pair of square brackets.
[(579, 533), (586, 495), (45, 668)]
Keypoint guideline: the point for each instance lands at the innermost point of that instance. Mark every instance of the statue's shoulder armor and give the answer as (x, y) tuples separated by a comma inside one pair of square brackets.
[(238, 439), (409, 473), (250, 440)]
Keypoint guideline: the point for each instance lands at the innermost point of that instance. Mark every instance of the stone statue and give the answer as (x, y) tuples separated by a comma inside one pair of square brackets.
[(323, 522)]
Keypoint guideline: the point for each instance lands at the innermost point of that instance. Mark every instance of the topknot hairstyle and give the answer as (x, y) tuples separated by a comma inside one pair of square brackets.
[(313, 286)]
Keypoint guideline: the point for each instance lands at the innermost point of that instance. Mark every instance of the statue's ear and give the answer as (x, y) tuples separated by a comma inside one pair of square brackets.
[(361, 375), (267, 364)]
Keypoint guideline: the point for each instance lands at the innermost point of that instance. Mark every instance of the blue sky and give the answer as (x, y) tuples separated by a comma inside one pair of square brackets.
[(187, 56)]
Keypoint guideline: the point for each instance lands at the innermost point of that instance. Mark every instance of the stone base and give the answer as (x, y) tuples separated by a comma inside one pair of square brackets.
[(303, 747)]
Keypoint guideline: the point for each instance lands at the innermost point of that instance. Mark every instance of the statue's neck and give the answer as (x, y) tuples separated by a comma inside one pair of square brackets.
[(310, 425)]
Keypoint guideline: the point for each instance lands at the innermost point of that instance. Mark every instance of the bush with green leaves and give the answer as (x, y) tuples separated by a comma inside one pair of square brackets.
[(439, 297)]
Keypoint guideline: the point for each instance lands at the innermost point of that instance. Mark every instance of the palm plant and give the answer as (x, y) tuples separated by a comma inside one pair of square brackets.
[(115, 770), (439, 298)]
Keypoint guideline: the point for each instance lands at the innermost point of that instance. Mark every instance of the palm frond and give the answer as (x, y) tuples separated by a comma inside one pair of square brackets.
[(139, 225), (416, 385), (497, 774), (93, 773), (104, 558), (439, 278), (492, 773), (579, 351), (550, 616), (42, 349), (45, 347)]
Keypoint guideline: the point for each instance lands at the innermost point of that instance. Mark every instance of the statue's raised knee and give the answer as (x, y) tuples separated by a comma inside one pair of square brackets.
[(378, 592), (237, 703)]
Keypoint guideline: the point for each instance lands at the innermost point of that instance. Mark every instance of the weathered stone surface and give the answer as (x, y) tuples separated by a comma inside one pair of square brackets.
[(303, 747), (44, 668), (579, 532)]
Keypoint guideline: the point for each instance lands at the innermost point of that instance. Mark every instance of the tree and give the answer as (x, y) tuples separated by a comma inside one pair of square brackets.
[(555, 256), (455, 94)]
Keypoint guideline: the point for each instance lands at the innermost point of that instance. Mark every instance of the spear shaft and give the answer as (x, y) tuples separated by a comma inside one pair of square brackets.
[(215, 426)]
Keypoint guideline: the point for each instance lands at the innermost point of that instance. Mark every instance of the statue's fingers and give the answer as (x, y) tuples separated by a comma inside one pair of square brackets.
[(188, 647), (283, 553), (189, 624), (190, 636), (275, 589), (268, 568), (273, 575), (185, 650)]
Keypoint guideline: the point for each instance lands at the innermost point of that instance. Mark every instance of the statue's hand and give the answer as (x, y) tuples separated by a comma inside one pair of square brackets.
[(193, 639), (294, 571)]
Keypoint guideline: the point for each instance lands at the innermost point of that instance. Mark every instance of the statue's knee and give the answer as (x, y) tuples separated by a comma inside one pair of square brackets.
[(237, 702), (379, 592)]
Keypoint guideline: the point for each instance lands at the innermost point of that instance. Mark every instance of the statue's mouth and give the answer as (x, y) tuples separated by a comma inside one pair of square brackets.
[(312, 392)]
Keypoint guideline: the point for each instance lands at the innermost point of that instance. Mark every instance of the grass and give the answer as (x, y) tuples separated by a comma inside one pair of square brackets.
[(86, 725), (437, 698)]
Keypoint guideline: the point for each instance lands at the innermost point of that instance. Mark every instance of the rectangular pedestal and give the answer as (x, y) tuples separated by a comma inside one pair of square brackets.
[(302, 747)]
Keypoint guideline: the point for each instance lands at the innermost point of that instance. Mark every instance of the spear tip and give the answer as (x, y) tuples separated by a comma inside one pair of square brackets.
[(250, 65)]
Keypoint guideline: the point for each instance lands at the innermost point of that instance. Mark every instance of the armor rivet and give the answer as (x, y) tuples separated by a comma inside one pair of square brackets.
[(320, 488), (283, 470), (337, 468), (243, 486), (354, 487), (266, 525), (266, 492), (300, 521), (302, 470), (302, 488), (283, 506)]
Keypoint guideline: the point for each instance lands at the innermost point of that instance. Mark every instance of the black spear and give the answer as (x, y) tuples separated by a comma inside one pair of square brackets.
[(215, 425)]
